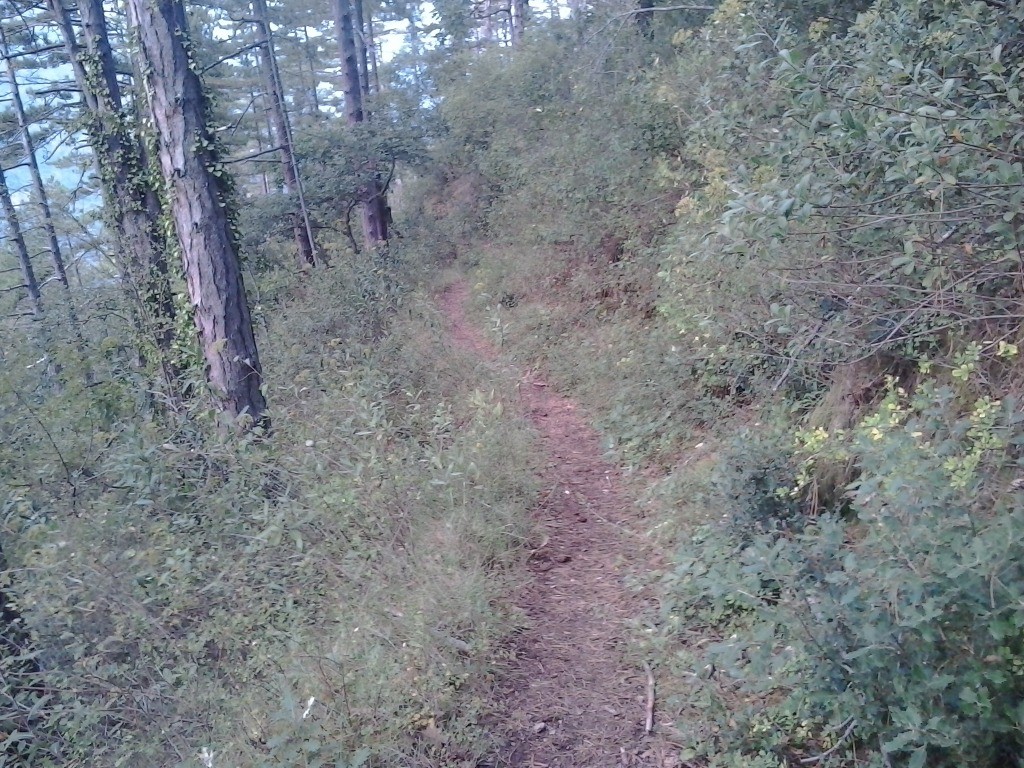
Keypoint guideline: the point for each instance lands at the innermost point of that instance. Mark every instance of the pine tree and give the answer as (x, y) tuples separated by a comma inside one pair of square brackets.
[(198, 191)]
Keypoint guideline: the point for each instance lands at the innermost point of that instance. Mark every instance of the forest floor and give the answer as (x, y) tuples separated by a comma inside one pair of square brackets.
[(568, 697)]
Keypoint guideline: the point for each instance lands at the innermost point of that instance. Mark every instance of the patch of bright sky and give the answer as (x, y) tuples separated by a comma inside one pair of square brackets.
[(392, 36), (52, 151)]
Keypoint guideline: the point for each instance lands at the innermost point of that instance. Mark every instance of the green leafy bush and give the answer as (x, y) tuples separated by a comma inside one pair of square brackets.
[(901, 624), (857, 193)]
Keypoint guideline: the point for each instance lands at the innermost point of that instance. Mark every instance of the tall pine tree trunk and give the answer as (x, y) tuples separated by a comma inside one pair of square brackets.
[(311, 60), (519, 11), (373, 203), (130, 202), (301, 227), (359, 28), (263, 176), (198, 192), (373, 79)]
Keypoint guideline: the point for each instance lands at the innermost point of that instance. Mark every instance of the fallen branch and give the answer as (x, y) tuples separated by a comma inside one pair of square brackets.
[(649, 724)]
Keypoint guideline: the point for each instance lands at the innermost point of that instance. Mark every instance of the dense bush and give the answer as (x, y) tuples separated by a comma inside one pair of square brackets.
[(901, 625), (859, 192), (562, 148)]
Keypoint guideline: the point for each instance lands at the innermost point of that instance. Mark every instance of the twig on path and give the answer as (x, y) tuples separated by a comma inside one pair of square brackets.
[(539, 547), (846, 734), (649, 725), (452, 642)]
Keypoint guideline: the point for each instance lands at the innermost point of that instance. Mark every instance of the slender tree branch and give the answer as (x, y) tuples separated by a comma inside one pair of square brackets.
[(58, 89), (60, 456), (33, 52), (228, 56), (250, 157), (663, 8)]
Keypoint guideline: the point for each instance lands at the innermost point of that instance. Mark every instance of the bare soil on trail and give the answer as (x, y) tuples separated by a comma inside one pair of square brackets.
[(568, 698)]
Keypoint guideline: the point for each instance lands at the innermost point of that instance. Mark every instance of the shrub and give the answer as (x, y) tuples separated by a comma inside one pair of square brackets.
[(901, 624)]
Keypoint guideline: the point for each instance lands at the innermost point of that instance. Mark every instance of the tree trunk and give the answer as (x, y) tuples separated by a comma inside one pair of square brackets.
[(371, 42), (43, 204), (198, 193), (351, 82), (28, 146), (311, 59), (130, 200), (645, 17), (519, 16), (373, 203), (301, 229), (364, 61), (487, 31), (28, 275), (258, 132)]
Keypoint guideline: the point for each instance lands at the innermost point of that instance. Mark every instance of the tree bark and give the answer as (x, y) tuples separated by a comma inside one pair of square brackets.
[(258, 132), (351, 82), (364, 61), (373, 203), (301, 229), (28, 275), (131, 203), (520, 9), (198, 191)]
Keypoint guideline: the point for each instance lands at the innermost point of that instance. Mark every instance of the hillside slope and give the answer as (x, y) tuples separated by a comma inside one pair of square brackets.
[(777, 258)]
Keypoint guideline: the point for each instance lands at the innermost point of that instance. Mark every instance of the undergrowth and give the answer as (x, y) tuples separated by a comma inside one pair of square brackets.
[(321, 597), (812, 361)]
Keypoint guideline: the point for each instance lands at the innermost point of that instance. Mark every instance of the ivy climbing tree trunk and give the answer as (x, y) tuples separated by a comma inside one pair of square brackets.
[(131, 203), (270, 74), (373, 202), (198, 199)]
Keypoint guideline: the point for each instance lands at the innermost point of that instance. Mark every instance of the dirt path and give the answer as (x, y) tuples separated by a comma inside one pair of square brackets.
[(570, 698)]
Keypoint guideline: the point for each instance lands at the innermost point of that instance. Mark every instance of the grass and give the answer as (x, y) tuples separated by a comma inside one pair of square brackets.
[(324, 597)]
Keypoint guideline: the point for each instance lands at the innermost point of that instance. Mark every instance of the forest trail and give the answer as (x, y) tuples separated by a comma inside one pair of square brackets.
[(568, 698)]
